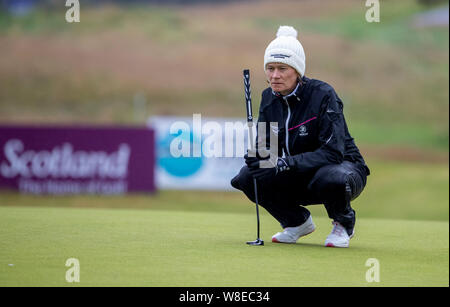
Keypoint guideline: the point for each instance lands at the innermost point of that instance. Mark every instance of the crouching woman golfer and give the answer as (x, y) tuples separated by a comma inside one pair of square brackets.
[(317, 160)]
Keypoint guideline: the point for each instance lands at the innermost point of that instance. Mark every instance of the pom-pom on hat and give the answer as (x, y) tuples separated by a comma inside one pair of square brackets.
[(286, 49)]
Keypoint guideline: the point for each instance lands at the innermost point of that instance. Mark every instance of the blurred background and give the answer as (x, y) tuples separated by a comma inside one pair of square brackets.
[(126, 61)]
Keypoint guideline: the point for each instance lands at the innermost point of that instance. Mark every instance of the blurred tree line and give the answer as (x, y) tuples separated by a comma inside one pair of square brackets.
[(25, 6), (14, 5)]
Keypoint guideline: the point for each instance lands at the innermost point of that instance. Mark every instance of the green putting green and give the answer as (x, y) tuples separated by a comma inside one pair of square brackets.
[(117, 247)]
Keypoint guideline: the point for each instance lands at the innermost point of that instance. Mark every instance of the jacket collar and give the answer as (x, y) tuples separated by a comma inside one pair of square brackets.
[(295, 93)]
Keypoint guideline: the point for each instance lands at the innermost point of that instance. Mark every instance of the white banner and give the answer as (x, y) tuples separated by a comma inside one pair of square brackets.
[(198, 153)]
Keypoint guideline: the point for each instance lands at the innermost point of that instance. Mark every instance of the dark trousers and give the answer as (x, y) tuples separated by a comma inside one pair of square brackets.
[(286, 195)]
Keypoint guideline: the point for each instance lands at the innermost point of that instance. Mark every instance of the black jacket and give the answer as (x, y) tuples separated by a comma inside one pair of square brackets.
[(312, 131)]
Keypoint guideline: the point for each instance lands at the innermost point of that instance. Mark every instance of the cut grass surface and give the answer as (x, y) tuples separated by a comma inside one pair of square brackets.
[(118, 247)]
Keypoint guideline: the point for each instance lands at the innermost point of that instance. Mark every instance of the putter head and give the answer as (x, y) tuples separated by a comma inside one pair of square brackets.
[(256, 242)]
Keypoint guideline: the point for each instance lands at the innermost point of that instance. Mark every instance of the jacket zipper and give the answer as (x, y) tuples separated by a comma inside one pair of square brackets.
[(287, 126)]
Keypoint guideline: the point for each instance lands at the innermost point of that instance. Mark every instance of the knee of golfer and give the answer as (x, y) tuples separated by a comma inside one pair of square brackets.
[(332, 186)]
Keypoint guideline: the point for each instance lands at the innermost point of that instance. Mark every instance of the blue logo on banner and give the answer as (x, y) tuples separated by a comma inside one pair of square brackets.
[(179, 167)]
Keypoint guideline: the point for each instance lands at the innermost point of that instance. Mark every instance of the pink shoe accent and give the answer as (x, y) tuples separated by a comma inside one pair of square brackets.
[(274, 240)]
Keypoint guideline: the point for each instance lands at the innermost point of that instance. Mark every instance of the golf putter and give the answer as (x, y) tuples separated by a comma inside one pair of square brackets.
[(248, 102)]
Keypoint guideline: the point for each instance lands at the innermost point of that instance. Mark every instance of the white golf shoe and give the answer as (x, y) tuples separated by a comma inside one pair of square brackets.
[(292, 234), (338, 236)]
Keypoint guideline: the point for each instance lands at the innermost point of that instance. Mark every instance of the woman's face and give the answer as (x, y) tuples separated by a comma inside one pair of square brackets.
[(282, 77)]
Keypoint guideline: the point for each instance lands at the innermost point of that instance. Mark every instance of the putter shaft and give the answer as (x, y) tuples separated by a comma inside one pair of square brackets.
[(248, 102), (257, 203)]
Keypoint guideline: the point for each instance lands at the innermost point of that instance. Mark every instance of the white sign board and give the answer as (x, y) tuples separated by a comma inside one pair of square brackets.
[(198, 153)]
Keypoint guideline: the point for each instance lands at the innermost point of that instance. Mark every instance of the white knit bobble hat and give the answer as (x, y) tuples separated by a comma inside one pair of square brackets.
[(286, 49)]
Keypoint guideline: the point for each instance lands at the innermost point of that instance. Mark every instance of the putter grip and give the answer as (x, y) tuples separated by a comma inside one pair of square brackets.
[(248, 97)]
